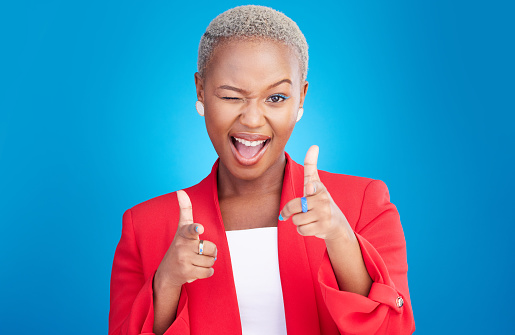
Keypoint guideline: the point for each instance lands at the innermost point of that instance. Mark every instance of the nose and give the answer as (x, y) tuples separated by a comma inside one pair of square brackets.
[(253, 115)]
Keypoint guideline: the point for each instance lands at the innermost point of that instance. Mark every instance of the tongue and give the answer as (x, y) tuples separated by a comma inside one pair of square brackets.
[(247, 152)]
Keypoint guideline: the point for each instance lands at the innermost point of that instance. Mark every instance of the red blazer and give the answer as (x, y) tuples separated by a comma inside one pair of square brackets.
[(312, 302)]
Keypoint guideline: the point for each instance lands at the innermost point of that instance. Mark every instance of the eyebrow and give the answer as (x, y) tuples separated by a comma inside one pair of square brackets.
[(242, 91), (286, 80)]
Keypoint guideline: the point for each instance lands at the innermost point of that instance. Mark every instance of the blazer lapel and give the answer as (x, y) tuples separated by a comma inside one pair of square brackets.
[(296, 280)]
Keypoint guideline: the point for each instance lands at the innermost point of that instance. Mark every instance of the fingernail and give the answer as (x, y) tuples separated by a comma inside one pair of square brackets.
[(215, 258), (281, 217), (196, 229)]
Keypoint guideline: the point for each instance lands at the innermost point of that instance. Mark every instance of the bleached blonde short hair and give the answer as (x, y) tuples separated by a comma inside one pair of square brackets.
[(252, 21)]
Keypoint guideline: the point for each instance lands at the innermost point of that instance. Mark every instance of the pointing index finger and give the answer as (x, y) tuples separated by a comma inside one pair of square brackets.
[(310, 166), (186, 210)]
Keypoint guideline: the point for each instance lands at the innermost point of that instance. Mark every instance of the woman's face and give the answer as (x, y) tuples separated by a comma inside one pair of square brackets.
[(252, 91)]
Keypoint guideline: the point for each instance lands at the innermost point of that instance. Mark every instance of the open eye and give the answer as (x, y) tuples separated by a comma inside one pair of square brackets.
[(276, 98)]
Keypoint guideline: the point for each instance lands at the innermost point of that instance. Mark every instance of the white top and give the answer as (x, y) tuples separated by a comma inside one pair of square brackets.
[(255, 266)]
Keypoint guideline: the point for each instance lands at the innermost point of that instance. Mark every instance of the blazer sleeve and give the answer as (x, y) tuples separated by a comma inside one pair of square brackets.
[(132, 309), (387, 309)]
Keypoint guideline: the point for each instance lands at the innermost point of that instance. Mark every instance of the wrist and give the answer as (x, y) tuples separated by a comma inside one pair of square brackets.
[(343, 236), (164, 284)]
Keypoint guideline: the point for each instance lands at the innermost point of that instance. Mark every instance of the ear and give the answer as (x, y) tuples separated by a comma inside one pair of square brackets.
[(303, 91), (199, 84)]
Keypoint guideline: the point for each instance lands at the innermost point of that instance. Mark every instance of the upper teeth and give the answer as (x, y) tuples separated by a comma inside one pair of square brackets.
[(249, 143)]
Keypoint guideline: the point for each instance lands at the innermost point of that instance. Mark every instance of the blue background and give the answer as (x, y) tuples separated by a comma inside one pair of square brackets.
[(97, 114)]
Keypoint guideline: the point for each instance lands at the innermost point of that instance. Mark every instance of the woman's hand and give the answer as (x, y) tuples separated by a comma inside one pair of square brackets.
[(182, 263), (323, 219)]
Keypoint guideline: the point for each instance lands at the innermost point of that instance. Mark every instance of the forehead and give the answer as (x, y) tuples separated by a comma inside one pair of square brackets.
[(252, 63)]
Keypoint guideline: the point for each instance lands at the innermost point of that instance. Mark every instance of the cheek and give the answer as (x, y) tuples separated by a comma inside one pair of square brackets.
[(218, 121), (283, 125)]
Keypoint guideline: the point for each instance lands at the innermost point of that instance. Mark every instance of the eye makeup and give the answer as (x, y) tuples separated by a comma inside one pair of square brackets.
[(276, 98)]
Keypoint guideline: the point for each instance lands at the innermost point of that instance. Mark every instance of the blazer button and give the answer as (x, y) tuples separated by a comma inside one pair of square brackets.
[(399, 302)]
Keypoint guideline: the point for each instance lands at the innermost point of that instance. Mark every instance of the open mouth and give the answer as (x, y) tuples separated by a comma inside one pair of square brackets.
[(248, 152)]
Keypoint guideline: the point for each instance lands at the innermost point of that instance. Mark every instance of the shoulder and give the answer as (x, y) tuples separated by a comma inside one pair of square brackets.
[(165, 208), (333, 181), (358, 186), (356, 195), (157, 206), (344, 181), (160, 206), (346, 190)]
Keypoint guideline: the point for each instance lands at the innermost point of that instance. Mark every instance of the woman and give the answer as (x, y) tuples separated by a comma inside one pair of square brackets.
[(262, 245)]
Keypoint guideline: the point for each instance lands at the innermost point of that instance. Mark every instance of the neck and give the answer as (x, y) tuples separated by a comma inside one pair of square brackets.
[(269, 182)]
